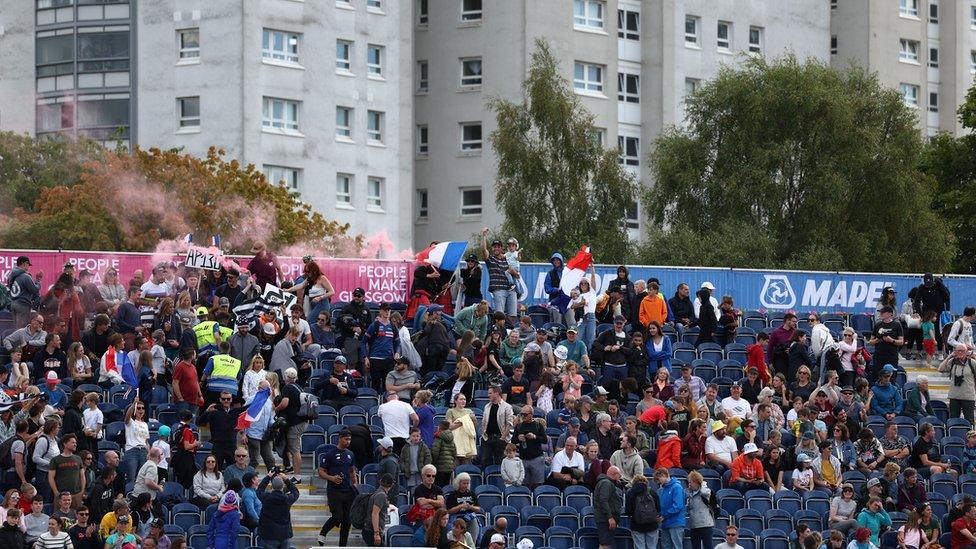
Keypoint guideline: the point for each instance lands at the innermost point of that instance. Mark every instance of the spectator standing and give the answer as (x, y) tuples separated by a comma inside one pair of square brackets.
[(471, 281), (398, 416), (258, 441), (887, 336), (288, 407), (239, 468), (672, 497), (264, 266), (274, 524), (377, 515), (608, 499), (337, 467), (700, 519), (380, 347), (223, 424), (530, 436), (25, 291), (499, 418), (222, 531), (964, 528), (65, 471), (961, 368), (402, 379), (499, 273), (931, 296), (45, 449), (682, 309)]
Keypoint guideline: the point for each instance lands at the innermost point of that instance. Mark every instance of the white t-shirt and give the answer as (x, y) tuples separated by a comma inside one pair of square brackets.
[(803, 479), (738, 408), (136, 434), (560, 460), (150, 289), (721, 448), (164, 448), (589, 302), (303, 328), (252, 380), (92, 418), (396, 418)]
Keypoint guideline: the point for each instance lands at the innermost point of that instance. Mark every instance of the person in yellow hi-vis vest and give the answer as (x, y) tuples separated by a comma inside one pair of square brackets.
[(208, 334), (221, 374)]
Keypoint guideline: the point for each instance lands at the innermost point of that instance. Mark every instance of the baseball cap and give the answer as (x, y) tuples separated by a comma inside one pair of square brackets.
[(184, 319), (435, 308), (341, 359), (574, 421), (385, 442), (384, 306), (926, 278), (533, 347), (268, 328), (224, 301), (807, 435), (123, 518), (888, 369), (601, 391), (803, 458), (585, 399), (23, 259), (158, 523), (874, 482), (52, 376), (164, 431), (403, 360), (345, 433), (512, 240), (708, 285), (541, 331), (471, 257), (496, 242), (201, 311), (358, 292), (498, 538), (847, 389), (243, 320), (572, 329), (620, 318)]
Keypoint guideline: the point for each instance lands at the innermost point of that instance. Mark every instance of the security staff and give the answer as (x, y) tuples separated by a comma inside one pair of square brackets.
[(221, 373)]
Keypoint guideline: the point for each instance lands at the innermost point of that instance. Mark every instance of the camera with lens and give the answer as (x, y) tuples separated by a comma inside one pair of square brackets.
[(957, 380)]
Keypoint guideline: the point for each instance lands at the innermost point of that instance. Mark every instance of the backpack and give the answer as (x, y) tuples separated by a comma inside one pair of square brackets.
[(6, 453), (645, 511), (308, 407), (360, 507)]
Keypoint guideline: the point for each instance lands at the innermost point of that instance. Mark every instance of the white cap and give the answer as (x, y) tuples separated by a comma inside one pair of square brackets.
[(708, 285), (750, 448), (524, 544), (52, 375), (561, 352), (498, 538), (386, 442)]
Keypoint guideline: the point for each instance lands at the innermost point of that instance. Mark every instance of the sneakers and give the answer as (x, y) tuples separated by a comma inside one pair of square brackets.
[(322, 541)]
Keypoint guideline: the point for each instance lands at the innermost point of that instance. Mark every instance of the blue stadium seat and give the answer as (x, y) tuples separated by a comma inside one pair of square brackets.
[(685, 352), (566, 517), (586, 538), (744, 335), (759, 500), (788, 501), (399, 536), (312, 438), (578, 497), (816, 501), (811, 518), (953, 446), (559, 537), (730, 500), (493, 476), (730, 369), (547, 496), (535, 515), (773, 538), (779, 519), (352, 415), (711, 351), (184, 515), (518, 496), (509, 512), (958, 427), (749, 518), (489, 496)]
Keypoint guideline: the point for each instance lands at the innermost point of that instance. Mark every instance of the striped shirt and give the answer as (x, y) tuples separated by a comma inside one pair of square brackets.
[(496, 273)]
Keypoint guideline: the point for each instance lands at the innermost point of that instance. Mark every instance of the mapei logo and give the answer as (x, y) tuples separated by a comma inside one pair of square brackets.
[(777, 293)]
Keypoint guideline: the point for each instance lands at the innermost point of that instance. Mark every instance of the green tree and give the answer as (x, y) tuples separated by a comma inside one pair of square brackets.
[(816, 166), (28, 165), (558, 188), (951, 161)]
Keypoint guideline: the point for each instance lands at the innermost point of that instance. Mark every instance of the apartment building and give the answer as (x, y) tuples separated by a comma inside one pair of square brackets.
[(317, 94), (631, 63), (926, 49)]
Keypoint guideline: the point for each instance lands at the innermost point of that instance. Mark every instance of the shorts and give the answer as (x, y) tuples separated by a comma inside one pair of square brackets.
[(929, 345), (294, 437)]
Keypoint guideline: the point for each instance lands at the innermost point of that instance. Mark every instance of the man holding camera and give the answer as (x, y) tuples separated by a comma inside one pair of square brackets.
[(962, 373), (337, 466)]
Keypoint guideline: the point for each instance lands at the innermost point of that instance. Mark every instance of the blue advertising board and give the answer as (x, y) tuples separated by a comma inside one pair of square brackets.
[(770, 290)]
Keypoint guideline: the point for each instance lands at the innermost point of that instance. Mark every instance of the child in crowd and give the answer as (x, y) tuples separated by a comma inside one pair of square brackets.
[(93, 419), (17, 367), (35, 522), (543, 395), (928, 337), (413, 457), (512, 258), (513, 472), (164, 449), (27, 493)]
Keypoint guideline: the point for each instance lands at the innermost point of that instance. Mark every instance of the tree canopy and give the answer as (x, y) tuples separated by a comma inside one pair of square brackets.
[(789, 164), (80, 196), (556, 185)]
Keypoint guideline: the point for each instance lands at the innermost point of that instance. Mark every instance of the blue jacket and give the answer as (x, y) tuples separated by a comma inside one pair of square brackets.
[(887, 399), (659, 359), (250, 503), (222, 533), (672, 504)]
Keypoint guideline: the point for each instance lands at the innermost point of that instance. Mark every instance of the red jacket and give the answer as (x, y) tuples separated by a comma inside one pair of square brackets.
[(669, 453), (692, 451), (756, 357)]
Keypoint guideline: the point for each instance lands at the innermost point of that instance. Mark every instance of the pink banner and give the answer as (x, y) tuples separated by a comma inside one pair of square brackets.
[(383, 280)]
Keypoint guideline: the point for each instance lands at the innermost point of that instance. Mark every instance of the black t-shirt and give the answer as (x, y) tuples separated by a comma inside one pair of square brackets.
[(294, 395), (338, 462), (230, 293), (515, 391), (422, 491), (530, 449), (920, 448), (81, 539), (886, 353), (492, 426), (456, 498)]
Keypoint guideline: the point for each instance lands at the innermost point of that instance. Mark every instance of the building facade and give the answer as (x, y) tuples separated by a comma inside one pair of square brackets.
[(926, 49), (316, 94)]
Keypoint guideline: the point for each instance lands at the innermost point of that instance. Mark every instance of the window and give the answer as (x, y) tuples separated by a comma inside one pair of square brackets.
[(934, 58), (189, 109), (756, 39), (833, 4), (470, 201), (374, 126), (471, 136), (724, 41), (628, 87), (55, 55), (909, 93), (280, 113), (344, 122), (280, 174), (422, 143), (632, 219), (972, 61), (470, 10), (423, 13), (343, 55), (374, 193), (588, 14), (421, 204), (933, 13), (833, 44), (908, 52), (972, 16), (423, 83), (374, 4), (374, 60), (587, 77), (691, 85), (279, 45), (344, 190), (933, 101), (691, 31), (189, 43), (598, 136), (471, 71), (908, 8), (628, 25), (629, 150)]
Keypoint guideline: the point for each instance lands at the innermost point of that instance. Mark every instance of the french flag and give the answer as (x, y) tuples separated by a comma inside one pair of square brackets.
[(215, 241), (118, 362), (444, 255), (188, 238), (575, 270), (254, 410)]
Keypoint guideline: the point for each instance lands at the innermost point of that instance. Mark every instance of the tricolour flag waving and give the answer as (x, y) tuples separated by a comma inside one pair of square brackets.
[(254, 410), (444, 255), (118, 362), (575, 269)]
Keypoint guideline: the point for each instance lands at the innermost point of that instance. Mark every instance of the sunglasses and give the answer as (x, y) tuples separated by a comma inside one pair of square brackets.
[(222, 398), (427, 475), (241, 455)]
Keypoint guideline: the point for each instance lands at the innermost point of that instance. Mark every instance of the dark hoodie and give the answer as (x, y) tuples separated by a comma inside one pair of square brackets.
[(556, 297), (682, 307), (26, 290), (626, 287), (11, 537)]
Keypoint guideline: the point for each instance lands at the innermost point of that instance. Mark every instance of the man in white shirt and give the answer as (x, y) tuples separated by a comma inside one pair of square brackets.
[(720, 449), (147, 480), (156, 287), (397, 418), (567, 466), (736, 408), (731, 539)]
